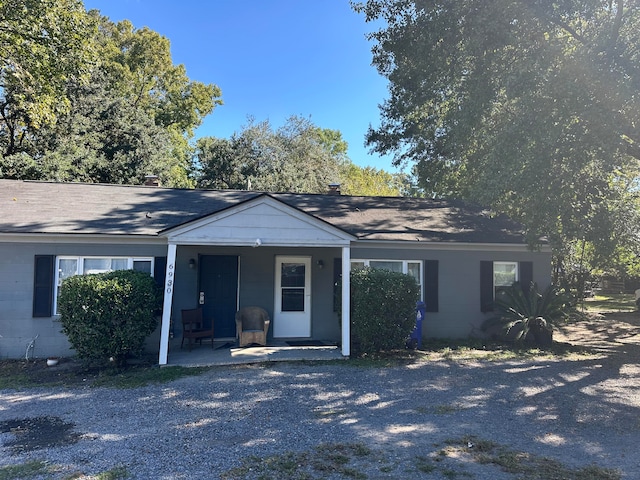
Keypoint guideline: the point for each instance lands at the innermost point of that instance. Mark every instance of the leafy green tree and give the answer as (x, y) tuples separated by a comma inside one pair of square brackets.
[(370, 181), (131, 112), (297, 157), (101, 139), (529, 107), (43, 45), (220, 166), (139, 66)]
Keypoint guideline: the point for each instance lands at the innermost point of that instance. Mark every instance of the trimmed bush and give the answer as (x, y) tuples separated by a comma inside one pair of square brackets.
[(108, 315), (383, 309)]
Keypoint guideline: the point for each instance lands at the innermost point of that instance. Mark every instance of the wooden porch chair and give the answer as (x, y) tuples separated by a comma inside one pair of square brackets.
[(252, 325), (193, 328)]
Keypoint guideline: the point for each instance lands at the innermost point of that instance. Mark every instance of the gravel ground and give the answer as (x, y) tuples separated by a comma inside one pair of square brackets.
[(579, 412)]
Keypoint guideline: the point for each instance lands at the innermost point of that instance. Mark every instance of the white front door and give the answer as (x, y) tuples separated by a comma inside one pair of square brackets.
[(292, 311)]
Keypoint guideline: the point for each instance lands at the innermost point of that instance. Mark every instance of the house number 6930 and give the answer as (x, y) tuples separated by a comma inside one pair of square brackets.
[(169, 283)]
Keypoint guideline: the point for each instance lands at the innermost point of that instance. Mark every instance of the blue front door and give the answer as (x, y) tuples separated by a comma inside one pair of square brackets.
[(219, 291)]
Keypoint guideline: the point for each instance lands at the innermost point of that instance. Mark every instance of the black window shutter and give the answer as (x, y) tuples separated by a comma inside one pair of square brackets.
[(526, 275), (486, 286), (43, 279), (431, 285), (159, 270)]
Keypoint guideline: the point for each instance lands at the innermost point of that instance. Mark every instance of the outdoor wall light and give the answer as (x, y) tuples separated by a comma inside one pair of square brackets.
[(192, 263), (320, 264)]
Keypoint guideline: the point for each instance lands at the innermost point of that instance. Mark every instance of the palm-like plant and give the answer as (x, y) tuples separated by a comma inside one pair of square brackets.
[(528, 316)]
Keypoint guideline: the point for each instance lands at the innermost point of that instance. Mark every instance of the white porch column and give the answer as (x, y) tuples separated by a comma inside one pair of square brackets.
[(346, 301), (166, 306)]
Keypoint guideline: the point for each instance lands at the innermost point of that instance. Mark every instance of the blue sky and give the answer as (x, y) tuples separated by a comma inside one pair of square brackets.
[(272, 59)]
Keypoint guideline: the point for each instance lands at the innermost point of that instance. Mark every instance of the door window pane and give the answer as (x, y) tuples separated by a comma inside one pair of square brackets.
[(292, 275), (292, 300)]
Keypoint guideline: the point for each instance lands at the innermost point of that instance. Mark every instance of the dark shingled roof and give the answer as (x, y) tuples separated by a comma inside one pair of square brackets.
[(76, 208)]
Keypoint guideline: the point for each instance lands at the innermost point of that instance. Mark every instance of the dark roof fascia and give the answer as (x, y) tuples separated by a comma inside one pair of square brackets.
[(453, 245), (97, 237)]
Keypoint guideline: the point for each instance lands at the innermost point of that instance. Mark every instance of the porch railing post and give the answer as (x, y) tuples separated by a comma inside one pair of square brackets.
[(346, 301), (169, 281)]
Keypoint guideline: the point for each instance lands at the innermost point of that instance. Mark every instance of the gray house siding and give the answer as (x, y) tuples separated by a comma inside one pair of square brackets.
[(459, 313), (257, 283), (18, 326)]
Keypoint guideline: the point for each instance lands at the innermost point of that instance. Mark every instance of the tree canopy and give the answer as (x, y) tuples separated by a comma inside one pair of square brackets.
[(42, 47), (530, 107), (296, 157), (86, 99)]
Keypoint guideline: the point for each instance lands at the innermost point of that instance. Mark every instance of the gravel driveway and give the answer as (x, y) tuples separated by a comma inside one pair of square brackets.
[(416, 421)]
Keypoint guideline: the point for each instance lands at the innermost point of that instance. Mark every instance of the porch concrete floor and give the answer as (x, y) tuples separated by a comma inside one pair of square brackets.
[(222, 354)]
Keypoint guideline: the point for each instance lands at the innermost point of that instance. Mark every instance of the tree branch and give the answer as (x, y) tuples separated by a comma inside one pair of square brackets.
[(615, 29), (557, 22)]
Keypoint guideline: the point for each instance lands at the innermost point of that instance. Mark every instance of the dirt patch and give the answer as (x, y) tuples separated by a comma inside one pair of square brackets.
[(38, 432), (606, 332)]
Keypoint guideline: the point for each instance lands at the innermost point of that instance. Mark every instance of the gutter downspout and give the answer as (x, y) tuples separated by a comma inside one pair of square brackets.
[(169, 281)]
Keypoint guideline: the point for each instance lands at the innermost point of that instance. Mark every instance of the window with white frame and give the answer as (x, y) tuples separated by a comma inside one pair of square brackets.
[(67, 266), (408, 267), (505, 274)]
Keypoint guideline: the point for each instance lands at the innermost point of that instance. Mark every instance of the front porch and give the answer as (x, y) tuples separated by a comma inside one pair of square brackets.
[(260, 253), (226, 353)]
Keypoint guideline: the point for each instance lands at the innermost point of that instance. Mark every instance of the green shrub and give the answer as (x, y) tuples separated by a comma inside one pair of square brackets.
[(528, 317), (108, 315), (383, 309)]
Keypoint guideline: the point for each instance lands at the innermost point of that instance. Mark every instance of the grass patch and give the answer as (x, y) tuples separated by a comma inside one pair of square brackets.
[(445, 409), (531, 467), (325, 460), (117, 473), (424, 465), (331, 412), (20, 374), (139, 377), (487, 350), (471, 349), (23, 374), (622, 302), (24, 470), (392, 358)]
